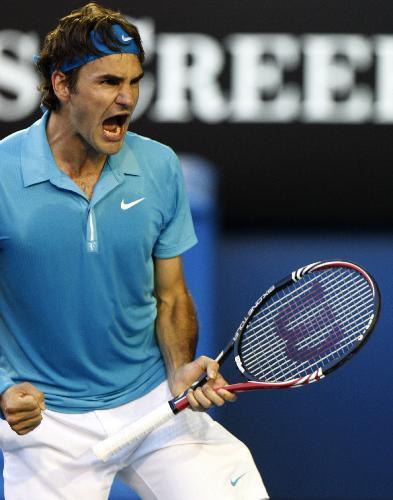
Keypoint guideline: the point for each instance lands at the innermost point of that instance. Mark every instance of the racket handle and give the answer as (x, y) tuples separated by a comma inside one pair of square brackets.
[(103, 450)]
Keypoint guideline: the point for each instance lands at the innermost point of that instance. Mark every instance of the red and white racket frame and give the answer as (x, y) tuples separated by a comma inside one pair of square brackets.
[(319, 373)]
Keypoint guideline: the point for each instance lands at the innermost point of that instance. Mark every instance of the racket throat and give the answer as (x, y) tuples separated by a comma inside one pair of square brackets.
[(309, 379), (239, 364)]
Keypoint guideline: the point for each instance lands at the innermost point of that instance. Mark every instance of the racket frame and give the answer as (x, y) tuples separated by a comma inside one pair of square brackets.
[(288, 280)]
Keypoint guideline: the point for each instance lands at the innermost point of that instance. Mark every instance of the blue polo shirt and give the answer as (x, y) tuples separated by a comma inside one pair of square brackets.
[(77, 308)]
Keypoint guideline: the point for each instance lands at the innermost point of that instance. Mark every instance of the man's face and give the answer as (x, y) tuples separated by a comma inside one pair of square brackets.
[(99, 109)]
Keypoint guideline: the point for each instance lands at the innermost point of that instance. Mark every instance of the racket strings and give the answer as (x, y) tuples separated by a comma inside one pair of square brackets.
[(316, 345), (268, 327), (297, 291), (294, 352), (283, 360), (311, 324), (285, 367), (315, 338), (264, 320)]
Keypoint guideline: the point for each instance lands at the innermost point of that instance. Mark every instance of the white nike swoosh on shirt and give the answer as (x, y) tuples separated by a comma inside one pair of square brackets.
[(126, 206), (126, 38)]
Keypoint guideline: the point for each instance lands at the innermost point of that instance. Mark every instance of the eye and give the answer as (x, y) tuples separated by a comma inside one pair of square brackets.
[(110, 81), (136, 80)]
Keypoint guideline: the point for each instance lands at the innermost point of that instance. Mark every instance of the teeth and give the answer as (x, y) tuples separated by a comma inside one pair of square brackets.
[(112, 133)]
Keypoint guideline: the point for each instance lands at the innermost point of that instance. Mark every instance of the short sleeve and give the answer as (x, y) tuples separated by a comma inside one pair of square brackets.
[(178, 234)]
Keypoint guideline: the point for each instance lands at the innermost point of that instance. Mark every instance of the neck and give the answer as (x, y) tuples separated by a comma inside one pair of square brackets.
[(73, 155)]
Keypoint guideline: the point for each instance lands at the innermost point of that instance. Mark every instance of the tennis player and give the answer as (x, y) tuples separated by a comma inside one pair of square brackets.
[(97, 326)]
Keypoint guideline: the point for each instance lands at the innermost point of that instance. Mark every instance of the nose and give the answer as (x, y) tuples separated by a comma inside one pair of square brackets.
[(128, 96)]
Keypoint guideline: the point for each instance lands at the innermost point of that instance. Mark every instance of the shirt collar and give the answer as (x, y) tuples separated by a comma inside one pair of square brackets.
[(124, 162), (35, 160), (38, 164)]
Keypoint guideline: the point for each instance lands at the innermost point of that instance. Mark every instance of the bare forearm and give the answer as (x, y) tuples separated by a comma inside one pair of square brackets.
[(177, 331)]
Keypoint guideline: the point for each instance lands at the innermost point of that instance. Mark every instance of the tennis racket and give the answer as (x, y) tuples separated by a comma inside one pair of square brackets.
[(299, 331)]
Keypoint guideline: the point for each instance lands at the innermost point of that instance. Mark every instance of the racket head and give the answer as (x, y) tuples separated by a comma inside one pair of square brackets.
[(308, 324)]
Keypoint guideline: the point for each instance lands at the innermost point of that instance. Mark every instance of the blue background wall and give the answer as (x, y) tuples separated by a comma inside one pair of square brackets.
[(332, 439)]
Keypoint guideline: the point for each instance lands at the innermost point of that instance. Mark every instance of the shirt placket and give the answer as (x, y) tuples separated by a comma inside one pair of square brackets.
[(91, 231)]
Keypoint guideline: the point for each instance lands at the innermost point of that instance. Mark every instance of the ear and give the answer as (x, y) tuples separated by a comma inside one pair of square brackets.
[(60, 86)]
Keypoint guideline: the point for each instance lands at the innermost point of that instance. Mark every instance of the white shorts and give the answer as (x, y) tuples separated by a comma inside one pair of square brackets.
[(191, 457)]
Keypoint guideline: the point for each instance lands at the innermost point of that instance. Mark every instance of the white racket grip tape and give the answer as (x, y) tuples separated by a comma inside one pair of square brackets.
[(104, 449)]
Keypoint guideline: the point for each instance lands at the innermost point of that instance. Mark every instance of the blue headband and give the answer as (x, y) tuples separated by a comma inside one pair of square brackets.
[(126, 45)]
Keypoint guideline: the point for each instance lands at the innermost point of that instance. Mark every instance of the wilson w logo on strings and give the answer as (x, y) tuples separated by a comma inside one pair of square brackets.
[(311, 312)]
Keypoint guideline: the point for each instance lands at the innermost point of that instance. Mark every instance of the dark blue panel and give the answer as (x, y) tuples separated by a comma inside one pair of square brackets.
[(332, 439)]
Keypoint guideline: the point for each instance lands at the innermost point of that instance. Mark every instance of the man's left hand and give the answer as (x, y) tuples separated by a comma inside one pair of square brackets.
[(210, 393)]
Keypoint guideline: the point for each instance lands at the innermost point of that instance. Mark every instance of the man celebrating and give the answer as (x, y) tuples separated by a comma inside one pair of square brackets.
[(97, 326)]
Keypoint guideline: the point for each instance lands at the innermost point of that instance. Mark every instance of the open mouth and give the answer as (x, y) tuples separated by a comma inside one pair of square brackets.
[(115, 126)]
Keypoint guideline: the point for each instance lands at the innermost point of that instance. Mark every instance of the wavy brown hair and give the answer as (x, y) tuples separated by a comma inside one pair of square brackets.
[(71, 39)]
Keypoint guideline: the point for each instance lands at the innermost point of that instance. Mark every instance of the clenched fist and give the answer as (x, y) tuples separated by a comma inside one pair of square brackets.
[(22, 405)]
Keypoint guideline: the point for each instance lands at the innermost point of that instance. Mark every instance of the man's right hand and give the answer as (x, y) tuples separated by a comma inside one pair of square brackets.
[(22, 405)]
